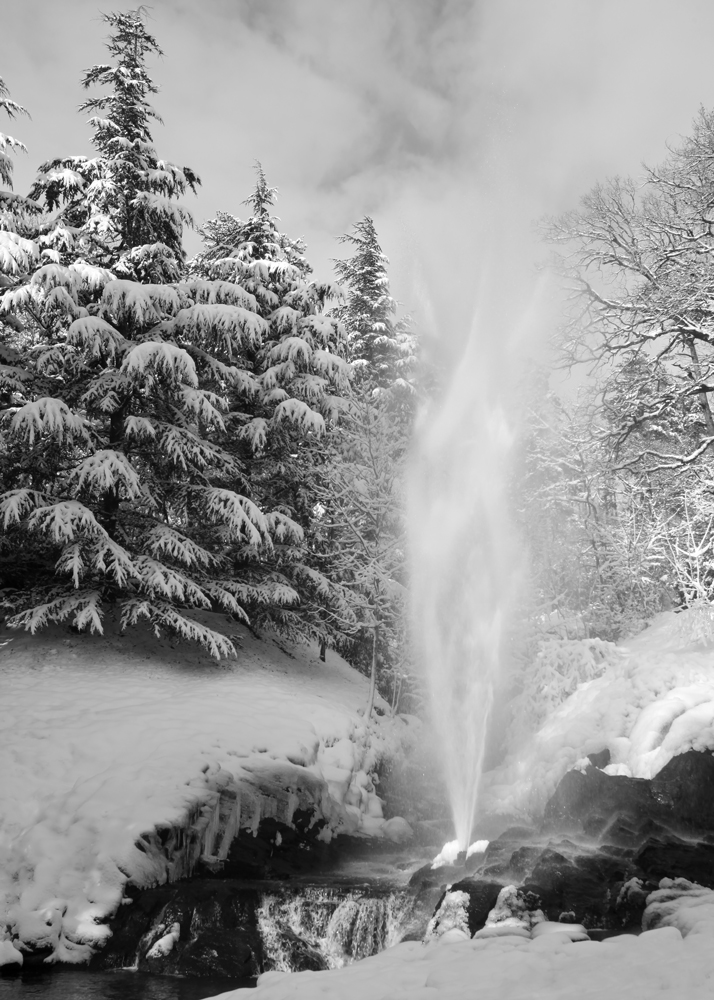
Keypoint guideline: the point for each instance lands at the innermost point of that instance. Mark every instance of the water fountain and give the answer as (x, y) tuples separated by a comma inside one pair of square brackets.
[(464, 564)]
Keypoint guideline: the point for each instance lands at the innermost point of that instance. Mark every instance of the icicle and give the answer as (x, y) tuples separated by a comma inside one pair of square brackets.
[(212, 828), (231, 829)]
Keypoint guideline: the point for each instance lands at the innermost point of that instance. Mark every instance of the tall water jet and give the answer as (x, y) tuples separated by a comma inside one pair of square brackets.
[(464, 561)]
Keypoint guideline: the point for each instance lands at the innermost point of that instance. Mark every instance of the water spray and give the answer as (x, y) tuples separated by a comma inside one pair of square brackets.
[(463, 567)]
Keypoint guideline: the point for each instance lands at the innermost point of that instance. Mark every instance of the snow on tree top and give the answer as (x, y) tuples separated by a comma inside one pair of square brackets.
[(51, 416), (332, 365), (203, 405), (298, 412), (239, 513), (310, 386), (97, 336), (285, 318), (16, 503), (231, 320), (69, 180), (256, 432), (131, 302), (92, 277), (225, 292), (175, 363), (106, 469), (165, 541), (170, 583), (65, 520), (291, 349), (283, 527), (16, 253)]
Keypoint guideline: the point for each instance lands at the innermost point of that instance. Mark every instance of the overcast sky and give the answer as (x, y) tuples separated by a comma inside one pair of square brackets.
[(454, 123)]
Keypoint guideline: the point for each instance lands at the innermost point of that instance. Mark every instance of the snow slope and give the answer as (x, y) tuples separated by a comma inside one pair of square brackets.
[(111, 742), (654, 701)]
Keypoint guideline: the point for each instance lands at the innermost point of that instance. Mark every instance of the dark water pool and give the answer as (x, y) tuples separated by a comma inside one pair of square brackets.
[(73, 984)]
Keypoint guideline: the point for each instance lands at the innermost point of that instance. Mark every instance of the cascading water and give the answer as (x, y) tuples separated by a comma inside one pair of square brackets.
[(463, 565), (328, 928)]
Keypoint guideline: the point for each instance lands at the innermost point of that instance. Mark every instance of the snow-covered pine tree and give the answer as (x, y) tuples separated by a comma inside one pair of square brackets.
[(380, 347), (362, 486), (17, 214), (19, 219), (275, 427), (360, 536), (124, 493)]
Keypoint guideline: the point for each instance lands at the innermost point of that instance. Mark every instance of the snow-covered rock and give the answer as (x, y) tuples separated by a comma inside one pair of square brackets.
[(165, 943), (651, 703)]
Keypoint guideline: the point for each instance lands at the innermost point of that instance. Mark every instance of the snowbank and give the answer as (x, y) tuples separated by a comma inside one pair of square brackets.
[(672, 961), (655, 701), (129, 757)]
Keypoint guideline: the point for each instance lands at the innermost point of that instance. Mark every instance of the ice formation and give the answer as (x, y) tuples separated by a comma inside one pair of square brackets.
[(653, 701)]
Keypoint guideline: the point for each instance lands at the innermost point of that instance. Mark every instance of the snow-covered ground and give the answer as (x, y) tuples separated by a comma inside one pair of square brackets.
[(106, 739)]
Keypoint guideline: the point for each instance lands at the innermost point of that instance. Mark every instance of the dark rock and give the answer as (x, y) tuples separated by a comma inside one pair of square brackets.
[(601, 759), (628, 834), (684, 791), (425, 904), (585, 888), (674, 858), (276, 851), (628, 811), (588, 801), (482, 899), (522, 861), (34, 959), (426, 876), (218, 937), (510, 866)]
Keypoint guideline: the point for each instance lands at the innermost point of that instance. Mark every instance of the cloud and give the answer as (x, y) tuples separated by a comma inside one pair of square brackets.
[(455, 123)]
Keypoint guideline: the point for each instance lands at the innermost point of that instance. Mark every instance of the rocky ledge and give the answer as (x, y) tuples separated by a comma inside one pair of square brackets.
[(604, 844)]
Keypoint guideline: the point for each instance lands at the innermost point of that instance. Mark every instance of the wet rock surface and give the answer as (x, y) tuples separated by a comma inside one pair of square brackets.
[(217, 933), (482, 899), (301, 912), (680, 798), (604, 844)]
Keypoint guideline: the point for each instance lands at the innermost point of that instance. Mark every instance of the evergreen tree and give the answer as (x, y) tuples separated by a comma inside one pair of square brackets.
[(120, 489), (381, 349), (17, 214), (360, 534), (295, 380), (8, 145)]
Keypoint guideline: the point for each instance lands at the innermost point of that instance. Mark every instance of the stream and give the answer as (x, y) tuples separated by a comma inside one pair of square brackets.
[(81, 984)]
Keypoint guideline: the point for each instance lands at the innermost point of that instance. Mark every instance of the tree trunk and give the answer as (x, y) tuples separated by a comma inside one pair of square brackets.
[(110, 499), (396, 693), (323, 650), (373, 675), (708, 418)]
